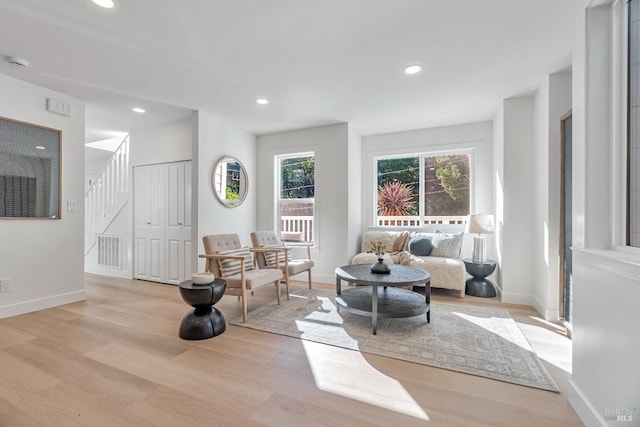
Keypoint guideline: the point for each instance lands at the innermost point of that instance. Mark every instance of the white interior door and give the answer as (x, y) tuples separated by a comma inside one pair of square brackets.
[(178, 230), (149, 221), (162, 222)]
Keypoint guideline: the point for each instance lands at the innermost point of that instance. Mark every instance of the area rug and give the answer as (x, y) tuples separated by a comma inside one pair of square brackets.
[(474, 340)]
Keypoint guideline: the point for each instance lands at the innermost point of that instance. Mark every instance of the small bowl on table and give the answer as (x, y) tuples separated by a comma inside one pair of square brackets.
[(202, 278)]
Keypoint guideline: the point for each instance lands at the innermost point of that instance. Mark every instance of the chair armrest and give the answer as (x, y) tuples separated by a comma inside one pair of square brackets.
[(224, 256), (221, 256), (269, 249), (277, 250), (308, 245)]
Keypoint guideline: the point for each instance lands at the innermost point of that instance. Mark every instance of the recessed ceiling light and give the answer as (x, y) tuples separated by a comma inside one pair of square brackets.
[(138, 110), (40, 147), (262, 101), (18, 62), (413, 69), (107, 4)]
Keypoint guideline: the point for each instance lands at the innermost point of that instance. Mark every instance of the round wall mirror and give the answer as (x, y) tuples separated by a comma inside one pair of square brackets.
[(230, 182)]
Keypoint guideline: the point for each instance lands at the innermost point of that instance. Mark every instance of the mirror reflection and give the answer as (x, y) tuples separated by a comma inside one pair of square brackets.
[(29, 171), (230, 183)]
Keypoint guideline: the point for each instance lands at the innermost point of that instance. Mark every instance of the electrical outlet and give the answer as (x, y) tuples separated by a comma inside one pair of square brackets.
[(6, 285)]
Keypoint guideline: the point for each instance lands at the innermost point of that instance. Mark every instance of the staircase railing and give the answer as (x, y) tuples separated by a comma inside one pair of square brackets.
[(107, 195)]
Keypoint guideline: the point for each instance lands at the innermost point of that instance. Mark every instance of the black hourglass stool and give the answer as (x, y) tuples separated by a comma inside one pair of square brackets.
[(204, 321)]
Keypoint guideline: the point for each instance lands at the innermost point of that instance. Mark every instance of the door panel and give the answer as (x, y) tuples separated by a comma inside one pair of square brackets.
[(156, 260), (174, 261), (141, 253)]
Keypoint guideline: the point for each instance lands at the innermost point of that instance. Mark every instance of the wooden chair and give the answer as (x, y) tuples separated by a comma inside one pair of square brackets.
[(289, 266), (228, 260)]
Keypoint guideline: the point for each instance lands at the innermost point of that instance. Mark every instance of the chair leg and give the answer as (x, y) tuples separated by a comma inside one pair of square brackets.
[(278, 290), (286, 287), (286, 281), (309, 278), (244, 305)]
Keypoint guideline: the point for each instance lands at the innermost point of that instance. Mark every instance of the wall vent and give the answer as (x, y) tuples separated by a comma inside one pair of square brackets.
[(109, 254)]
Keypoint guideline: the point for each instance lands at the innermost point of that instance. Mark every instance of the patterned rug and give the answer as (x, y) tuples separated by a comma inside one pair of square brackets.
[(478, 341)]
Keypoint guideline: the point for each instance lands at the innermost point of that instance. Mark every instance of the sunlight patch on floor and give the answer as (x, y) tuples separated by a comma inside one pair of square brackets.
[(551, 346), (500, 326), (348, 374)]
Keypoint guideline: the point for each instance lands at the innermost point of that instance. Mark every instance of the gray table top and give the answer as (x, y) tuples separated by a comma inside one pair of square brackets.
[(400, 275)]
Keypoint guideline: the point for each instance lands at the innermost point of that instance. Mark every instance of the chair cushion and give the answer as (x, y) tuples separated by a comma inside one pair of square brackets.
[(298, 266), (229, 267), (255, 278), (420, 245)]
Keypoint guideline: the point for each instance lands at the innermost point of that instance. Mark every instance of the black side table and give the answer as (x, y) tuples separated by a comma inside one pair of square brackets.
[(478, 286), (204, 321)]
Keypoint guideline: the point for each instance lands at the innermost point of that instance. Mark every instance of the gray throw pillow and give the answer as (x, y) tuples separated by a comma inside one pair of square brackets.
[(420, 246)]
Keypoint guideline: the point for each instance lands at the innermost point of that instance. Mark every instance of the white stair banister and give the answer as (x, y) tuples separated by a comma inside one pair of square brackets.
[(107, 195)]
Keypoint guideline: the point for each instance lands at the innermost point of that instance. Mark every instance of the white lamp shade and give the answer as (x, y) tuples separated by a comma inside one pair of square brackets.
[(480, 224)]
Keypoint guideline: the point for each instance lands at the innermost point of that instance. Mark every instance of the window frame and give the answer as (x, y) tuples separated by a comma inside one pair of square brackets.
[(621, 129), (278, 158), (421, 155)]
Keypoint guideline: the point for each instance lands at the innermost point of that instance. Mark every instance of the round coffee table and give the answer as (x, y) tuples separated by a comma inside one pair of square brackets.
[(379, 295), (204, 321)]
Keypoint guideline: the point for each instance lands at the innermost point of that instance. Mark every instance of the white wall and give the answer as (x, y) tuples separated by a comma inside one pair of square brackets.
[(516, 209), (45, 257), (605, 336), (168, 142), (551, 102), (215, 137), (498, 188), (355, 192), (606, 279), (476, 137), (333, 146)]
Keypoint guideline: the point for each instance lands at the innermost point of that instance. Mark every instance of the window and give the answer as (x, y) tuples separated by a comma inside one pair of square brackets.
[(296, 190), (633, 126), (422, 189)]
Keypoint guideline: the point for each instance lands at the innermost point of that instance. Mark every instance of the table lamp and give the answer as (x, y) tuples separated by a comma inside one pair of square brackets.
[(479, 224)]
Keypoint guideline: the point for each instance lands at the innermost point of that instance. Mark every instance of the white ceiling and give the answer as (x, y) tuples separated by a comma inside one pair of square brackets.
[(317, 61)]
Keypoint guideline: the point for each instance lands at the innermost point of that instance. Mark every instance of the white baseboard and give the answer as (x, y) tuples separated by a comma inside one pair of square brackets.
[(547, 314), (123, 274), (323, 278), (517, 298), (41, 304), (587, 413)]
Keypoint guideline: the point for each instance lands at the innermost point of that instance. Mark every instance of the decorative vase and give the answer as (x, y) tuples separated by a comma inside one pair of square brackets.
[(380, 267)]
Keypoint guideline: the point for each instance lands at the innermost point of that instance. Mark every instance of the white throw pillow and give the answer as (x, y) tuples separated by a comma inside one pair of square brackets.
[(229, 267), (447, 245)]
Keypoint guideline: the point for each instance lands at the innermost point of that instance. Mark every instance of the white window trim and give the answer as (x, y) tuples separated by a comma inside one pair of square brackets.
[(421, 155), (619, 121), (277, 226), (619, 128)]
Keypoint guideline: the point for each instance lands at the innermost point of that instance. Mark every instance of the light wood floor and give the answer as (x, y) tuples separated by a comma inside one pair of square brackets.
[(116, 360)]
